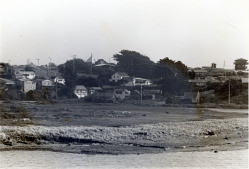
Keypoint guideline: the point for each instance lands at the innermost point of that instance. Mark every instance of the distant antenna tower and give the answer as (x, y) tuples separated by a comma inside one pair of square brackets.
[(28, 61), (38, 61)]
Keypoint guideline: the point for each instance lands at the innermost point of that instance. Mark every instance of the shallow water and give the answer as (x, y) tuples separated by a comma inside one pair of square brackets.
[(245, 111), (47, 159)]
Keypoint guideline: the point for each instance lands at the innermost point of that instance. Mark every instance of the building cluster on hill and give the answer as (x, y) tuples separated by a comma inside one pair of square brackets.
[(43, 82)]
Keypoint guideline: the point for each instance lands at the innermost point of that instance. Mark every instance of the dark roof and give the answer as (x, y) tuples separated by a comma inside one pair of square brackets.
[(200, 71), (80, 87), (101, 61)]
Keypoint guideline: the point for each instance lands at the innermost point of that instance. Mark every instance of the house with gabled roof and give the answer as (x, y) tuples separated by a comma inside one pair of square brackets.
[(136, 81), (80, 91), (26, 85), (101, 61), (21, 74), (119, 76)]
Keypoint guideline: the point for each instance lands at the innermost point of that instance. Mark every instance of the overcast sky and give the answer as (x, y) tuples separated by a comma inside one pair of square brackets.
[(197, 32)]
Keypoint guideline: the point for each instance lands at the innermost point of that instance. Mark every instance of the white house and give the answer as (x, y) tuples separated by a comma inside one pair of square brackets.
[(60, 80), (80, 91), (21, 74), (119, 76), (47, 83), (27, 85), (138, 82)]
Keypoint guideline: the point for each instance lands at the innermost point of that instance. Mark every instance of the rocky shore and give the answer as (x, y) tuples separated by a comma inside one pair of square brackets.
[(213, 134)]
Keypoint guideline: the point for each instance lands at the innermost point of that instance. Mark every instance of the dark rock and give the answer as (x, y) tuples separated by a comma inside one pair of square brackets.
[(210, 133), (23, 142), (141, 133), (8, 142)]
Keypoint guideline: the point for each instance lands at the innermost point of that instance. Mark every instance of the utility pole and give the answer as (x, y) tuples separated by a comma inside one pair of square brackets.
[(225, 69), (91, 63), (49, 65), (7, 66), (141, 93), (38, 61), (56, 88), (229, 86), (49, 60)]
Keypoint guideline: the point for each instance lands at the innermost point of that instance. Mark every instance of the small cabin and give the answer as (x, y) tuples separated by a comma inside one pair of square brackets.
[(80, 91), (138, 82), (26, 85), (119, 76), (47, 83)]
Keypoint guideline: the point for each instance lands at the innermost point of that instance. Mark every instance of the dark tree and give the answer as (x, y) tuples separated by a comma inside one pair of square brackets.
[(134, 63), (104, 74), (222, 89), (69, 72), (29, 68), (6, 70), (172, 76), (88, 81)]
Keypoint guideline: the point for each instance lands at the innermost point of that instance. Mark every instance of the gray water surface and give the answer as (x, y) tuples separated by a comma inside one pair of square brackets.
[(47, 159)]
